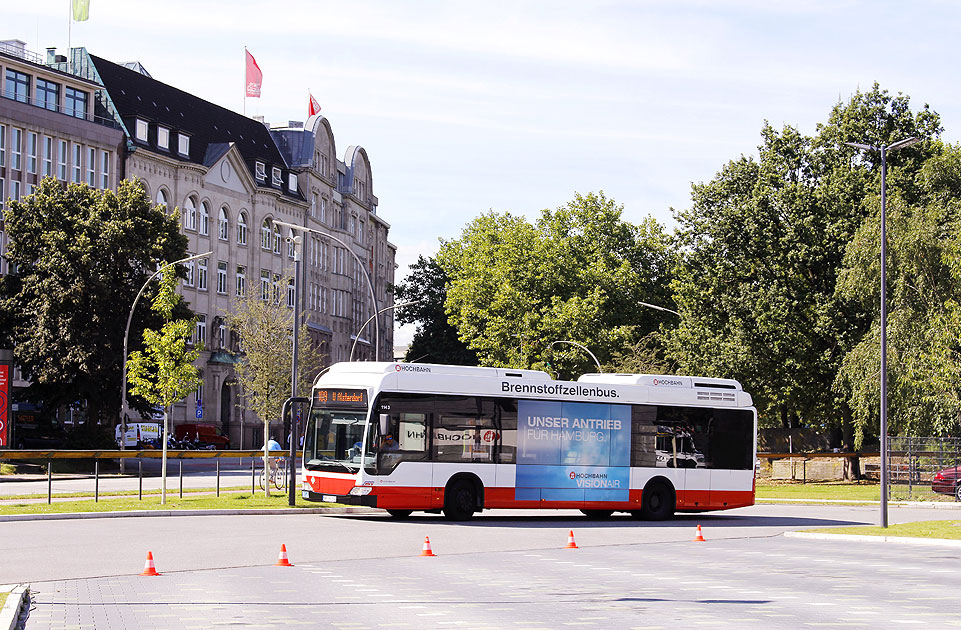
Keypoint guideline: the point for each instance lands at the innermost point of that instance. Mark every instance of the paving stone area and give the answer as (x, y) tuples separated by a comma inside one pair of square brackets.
[(733, 583)]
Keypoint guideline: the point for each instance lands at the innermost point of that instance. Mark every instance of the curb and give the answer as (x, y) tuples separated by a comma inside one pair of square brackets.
[(934, 505), (10, 614), (147, 513), (898, 540)]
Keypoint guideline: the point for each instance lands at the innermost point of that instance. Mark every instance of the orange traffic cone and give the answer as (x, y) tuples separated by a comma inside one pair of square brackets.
[(570, 540), (148, 567), (282, 561), (698, 537), (427, 551)]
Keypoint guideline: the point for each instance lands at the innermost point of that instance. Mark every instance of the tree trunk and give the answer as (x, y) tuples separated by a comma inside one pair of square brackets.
[(852, 465), (266, 459)]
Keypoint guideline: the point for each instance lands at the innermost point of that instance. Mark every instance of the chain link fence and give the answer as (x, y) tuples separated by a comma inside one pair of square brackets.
[(913, 463)]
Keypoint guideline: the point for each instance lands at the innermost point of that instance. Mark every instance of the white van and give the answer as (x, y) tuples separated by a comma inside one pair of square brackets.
[(138, 433)]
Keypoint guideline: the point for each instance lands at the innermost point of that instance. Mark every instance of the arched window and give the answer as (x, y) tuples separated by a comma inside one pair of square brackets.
[(265, 234), (190, 214), (205, 218), (162, 197), (224, 225), (277, 240), (242, 228)]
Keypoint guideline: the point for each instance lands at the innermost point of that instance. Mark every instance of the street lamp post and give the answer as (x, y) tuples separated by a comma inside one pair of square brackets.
[(659, 308), (126, 335), (900, 144), (370, 285), (383, 310), (297, 242), (582, 347)]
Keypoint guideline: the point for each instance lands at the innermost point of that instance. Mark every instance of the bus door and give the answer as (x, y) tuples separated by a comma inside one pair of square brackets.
[(465, 437), (397, 446)]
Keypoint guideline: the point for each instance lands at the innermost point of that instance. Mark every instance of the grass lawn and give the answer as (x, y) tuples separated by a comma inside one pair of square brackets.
[(174, 502), (171, 489), (919, 529), (842, 491)]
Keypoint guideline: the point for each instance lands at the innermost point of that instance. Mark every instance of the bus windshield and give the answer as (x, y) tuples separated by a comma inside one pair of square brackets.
[(334, 439)]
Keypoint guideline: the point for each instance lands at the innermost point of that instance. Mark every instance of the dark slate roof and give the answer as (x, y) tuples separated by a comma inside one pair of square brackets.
[(138, 96)]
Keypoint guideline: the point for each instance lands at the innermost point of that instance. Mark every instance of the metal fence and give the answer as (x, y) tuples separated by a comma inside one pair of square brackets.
[(914, 461)]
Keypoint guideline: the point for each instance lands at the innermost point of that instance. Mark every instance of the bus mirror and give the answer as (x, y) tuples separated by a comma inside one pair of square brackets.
[(384, 420)]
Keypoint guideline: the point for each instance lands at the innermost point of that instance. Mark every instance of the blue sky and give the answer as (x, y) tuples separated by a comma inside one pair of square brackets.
[(512, 105)]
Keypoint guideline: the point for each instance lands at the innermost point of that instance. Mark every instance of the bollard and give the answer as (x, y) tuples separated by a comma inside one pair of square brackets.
[(96, 481), (218, 477), (181, 478), (49, 482), (140, 477), (253, 476)]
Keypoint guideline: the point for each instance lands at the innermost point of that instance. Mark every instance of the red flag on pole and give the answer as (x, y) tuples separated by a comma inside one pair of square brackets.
[(313, 107), (254, 76)]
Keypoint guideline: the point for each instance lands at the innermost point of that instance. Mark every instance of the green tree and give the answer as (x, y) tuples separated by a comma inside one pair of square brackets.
[(924, 318), (435, 340), (164, 372), (577, 274), (764, 243), (264, 367), (78, 257)]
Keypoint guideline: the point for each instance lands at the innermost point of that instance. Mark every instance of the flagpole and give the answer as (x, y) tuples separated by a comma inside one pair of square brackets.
[(245, 81), (69, 29)]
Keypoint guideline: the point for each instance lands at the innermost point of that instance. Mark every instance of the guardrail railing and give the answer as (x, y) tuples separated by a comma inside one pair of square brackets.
[(256, 457)]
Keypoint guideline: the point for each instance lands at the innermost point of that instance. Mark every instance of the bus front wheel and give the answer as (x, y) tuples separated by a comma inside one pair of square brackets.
[(657, 502), (460, 500)]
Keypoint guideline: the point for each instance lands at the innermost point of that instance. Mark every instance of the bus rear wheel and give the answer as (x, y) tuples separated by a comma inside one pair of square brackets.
[(400, 513), (460, 500), (657, 501), (598, 514)]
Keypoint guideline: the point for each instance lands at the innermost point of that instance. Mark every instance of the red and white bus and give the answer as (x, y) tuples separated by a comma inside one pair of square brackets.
[(439, 438)]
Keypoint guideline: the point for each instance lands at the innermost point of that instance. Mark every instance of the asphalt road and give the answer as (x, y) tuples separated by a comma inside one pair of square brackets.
[(503, 569)]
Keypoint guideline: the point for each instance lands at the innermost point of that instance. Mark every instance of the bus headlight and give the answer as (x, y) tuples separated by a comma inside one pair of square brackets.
[(359, 491)]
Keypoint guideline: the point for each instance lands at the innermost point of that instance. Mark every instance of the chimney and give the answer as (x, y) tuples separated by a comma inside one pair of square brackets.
[(51, 55)]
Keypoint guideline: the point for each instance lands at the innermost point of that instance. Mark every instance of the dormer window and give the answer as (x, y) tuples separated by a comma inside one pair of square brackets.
[(163, 138), (260, 171), (141, 130), (276, 179), (183, 145), (292, 182)]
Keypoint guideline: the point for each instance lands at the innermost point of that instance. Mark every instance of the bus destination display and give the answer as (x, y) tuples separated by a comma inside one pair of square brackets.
[(339, 397)]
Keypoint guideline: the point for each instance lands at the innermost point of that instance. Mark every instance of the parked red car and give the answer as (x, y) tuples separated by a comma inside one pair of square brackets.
[(948, 481)]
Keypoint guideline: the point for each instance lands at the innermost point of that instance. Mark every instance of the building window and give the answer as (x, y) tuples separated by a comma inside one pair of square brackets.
[(104, 170), (189, 214), (62, 160), (201, 331), (324, 165), (189, 280), (202, 274), (291, 246), (276, 286), (241, 281), (222, 278), (32, 142), (223, 226), (242, 228), (15, 189), (3, 146), (47, 156), (260, 170), (275, 179), (16, 146), (290, 293), (91, 167), (2, 201), (18, 86), (276, 240), (183, 144), (323, 210), (163, 138), (265, 235), (141, 132), (204, 218), (292, 182), (162, 198), (75, 103), (221, 335), (48, 94), (264, 285), (77, 164)]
